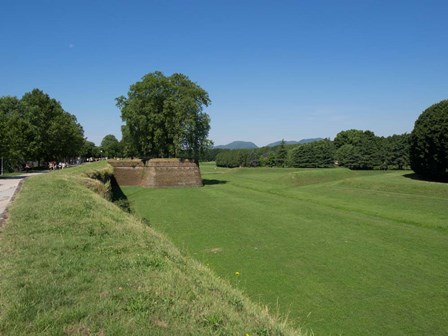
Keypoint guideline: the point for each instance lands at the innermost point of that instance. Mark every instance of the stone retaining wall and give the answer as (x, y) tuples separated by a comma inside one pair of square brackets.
[(157, 173)]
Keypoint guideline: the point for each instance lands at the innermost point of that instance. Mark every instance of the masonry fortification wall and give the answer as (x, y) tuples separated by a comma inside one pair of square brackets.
[(157, 173)]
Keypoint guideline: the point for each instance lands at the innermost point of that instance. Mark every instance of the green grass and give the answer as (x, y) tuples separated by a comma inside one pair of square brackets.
[(73, 263), (340, 251)]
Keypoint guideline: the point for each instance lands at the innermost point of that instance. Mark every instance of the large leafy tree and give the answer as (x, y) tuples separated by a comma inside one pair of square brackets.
[(14, 132), (429, 142), (126, 144), (111, 146), (66, 136), (89, 149), (164, 116), (54, 133), (4, 117), (349, 137), (9, 106), (37, 128), (357, 149)]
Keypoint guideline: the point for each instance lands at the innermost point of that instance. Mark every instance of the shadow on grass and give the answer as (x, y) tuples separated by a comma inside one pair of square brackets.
[(417, 177), (213, 182), (118, 196), (22, 175), (11, 177)]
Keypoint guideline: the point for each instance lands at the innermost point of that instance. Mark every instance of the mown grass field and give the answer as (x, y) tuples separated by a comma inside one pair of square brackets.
[(340, 251), (73, 263)]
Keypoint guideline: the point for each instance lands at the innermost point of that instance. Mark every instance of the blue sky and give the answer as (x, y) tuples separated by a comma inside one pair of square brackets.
[(273, 69)]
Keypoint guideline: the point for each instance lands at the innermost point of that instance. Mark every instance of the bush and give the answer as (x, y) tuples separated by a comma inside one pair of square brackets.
[(429, 142)]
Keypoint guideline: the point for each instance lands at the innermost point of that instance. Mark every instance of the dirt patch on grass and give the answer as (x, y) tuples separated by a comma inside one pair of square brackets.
[(215, 250), (81, 330), (160, 323)]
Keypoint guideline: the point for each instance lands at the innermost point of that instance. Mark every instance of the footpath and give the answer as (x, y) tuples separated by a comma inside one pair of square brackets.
[(8, 188)]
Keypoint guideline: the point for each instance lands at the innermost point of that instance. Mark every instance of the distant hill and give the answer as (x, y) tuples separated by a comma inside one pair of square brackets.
[(238, 145), (248, 144), (279, 142), (303, 141)]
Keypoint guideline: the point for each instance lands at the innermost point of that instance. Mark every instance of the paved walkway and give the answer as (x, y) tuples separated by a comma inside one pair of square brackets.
[(8, 187)]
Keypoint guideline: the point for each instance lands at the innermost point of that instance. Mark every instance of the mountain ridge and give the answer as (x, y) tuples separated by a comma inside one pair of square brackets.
[(238, 145), (249, 145)]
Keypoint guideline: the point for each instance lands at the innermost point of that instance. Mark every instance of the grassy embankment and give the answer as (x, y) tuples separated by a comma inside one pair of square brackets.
[(73, 263), (344, 252)]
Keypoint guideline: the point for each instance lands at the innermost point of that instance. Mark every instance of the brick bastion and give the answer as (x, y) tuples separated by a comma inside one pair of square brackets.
[(157, 173)]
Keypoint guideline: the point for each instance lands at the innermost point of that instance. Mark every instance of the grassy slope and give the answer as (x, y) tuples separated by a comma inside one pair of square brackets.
[(72, 263), (344, 252)]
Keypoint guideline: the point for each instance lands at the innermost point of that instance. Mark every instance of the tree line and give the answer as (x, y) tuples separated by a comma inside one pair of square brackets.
[(354, 149), (164, 117), (424, 150), (36, 128)]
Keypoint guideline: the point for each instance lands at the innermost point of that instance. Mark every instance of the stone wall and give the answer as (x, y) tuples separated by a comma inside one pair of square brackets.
[(157, 173), (128, 172)]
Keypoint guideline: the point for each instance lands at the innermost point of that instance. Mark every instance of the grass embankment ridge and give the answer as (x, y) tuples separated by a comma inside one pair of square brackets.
[(73, 263)]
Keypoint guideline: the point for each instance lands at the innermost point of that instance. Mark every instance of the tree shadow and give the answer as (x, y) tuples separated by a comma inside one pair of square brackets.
[(207, 182), (414, 176), (118, 196)]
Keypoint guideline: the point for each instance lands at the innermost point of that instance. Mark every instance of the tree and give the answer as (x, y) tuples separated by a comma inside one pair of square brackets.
[(66, 137), (429, 142), (111, 146), (14, 131), (211, 153), (89, 150), (126, 144), (395, 151), (228, 158), (36, 128), (350, 137), (53, 133), (5, 107), (281, 155), (270, 160), (357, 149), (349, 156), (164, 116), (253, 159), (232, 158), (319, 154)]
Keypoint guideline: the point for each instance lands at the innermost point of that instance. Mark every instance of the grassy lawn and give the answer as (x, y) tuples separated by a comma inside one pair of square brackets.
[(341, 252), (73, 263)]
